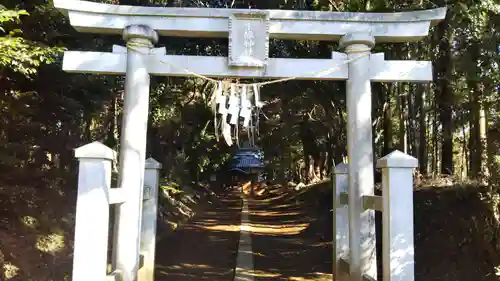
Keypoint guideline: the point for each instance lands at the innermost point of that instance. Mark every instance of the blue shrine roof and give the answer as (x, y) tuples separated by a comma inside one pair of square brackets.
[(246, 158)]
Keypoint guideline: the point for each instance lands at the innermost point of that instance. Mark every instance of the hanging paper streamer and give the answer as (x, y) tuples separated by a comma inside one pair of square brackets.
[(246, 107), (237, 136), (226, 128), (256, 93), (221, 99), (226, 132), (218, 99), (237, 101), (212, 103), (213, 106), (217, 96), (234, 106), (243, 95), (258, 104)]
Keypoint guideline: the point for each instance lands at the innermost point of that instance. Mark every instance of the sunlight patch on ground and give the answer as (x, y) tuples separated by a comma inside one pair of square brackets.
[(319, 277), (184, 266), (210, 221), (283, 206), (221, 227), (253, 253), (172, 224), (285, 229), (203, 266), (260, 273), (10, 270), (30, 221), (321, 244), (188, 271), (51, 243), (273, 214), (271, 199)]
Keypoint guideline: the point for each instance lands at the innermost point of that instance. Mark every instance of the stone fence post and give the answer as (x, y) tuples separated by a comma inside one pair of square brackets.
[(397, 216), (149, 215), (92, 212), (341, 223)]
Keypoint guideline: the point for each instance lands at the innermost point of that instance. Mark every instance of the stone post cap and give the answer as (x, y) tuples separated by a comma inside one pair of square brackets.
[(364, 38), (397, 159), (152, 164), (140, 31), (342, 168), (95, 150)]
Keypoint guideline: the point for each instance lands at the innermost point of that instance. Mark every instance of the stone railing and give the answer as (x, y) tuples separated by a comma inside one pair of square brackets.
[(95, 195), (396, 205)]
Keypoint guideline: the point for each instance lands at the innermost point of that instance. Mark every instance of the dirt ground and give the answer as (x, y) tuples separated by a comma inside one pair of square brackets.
[(455, 237), (291, 239), (36, 233), (205, 248)]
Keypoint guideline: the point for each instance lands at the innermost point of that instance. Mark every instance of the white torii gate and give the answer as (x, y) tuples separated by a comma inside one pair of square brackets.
[(141, 27)]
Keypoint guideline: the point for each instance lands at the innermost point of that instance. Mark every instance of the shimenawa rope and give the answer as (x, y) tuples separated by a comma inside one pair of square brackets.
[(134, 46)]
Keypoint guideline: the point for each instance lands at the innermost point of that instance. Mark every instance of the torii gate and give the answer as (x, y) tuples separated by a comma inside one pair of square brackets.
[(357, 33)]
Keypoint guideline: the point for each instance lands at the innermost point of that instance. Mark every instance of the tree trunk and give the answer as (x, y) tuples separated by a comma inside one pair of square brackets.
[(483, 147), (111, 139), (464, 167), (401, 103), (444, 95), (435, 139), (87, 132), (411, 120), (387, 126), (422, 138), (340, 150), (474, 84), (474, 160), (377, 116), (493, 151)]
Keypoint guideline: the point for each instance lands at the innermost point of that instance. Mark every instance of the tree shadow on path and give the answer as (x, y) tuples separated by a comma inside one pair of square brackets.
[(205, 248), (292, 235)]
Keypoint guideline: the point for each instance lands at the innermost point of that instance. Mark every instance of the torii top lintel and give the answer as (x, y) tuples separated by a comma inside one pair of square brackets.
[(283, 24)]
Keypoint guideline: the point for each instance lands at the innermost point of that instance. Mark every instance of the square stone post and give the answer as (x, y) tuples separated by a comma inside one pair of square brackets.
[(362, 250), (149, 216), (397, 216), (92, 212), (341, 222), (140, 40)]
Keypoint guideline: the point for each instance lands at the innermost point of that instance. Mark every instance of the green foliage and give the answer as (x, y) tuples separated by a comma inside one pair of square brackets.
[(23, 56), (17, 53), (10, 15)]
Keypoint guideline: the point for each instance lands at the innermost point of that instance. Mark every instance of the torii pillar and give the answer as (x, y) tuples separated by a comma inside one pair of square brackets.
[(133, 151), (362, 254)]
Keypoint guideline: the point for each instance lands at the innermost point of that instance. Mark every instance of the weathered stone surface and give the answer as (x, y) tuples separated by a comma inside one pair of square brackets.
[(303, 69), (249, 39), (200, 22)]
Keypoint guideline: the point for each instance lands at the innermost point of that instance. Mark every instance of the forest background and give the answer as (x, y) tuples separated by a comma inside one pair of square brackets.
[(451, 125)]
